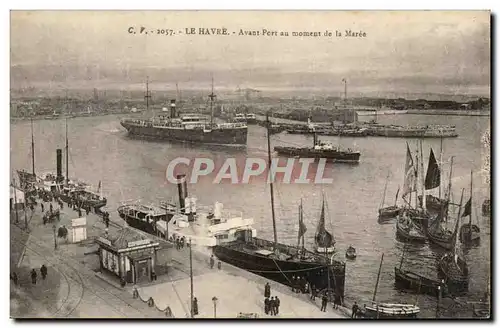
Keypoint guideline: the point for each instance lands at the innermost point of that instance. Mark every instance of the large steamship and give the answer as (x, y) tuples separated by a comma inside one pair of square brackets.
[(189, 128)]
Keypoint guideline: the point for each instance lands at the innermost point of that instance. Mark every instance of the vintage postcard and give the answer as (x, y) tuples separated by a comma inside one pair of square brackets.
[(250, 164)]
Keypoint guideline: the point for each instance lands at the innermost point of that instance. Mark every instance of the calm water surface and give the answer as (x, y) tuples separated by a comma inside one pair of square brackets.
[(135, 169)]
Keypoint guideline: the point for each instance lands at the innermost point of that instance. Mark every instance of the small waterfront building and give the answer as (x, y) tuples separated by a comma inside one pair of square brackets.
[(78, 230), (16, 198), (128, 255)]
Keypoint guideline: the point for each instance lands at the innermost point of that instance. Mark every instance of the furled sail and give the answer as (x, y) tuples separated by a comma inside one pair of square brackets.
[(323, 238), (433, 177), (410, 173), (302, 226)]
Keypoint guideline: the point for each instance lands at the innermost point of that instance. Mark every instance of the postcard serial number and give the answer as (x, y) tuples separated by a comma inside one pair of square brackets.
[(144, 30)]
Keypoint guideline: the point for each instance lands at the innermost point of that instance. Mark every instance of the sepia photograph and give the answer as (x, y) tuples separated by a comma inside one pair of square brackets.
[(169, 164)]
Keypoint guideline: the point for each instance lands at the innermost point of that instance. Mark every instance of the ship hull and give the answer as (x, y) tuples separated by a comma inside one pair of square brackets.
[(333, 156), (283, 271), (95, 204), (228, 136), (145, 226)]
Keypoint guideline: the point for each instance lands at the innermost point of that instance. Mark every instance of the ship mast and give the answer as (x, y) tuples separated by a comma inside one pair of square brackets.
[(212, 97), (67, 153), (424, 200), (148, 94), (345, 100), (270, 180), (32, 148)]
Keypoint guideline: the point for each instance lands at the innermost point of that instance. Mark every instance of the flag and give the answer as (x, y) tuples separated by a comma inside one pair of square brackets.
[(433, 177), (410, 173), (467, 208)]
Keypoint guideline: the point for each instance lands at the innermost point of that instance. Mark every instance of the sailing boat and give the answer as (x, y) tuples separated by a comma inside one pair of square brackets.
[(452, 267), (469, 233), (436, 233), (324, 241), (433, 180), (413, 281), (389, 212), (389, 310), (281, 262)]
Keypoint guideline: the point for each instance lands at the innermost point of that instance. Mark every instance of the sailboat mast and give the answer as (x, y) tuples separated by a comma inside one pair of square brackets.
[(416, 184), (424, 200), (378, 278), (67, 153), (212, 96), (32, 148), (147, 96), (449, 189), (470, 215), (302, 220), (271, 180), (385, 190), (440, 165)]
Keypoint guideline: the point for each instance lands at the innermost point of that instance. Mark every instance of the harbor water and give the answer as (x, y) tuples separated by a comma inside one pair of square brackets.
[(130, 169)]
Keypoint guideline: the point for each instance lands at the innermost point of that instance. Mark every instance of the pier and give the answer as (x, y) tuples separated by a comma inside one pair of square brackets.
[(74, 287)]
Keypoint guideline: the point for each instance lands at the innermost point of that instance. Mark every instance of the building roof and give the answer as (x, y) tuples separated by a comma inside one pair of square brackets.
[(123, 237)]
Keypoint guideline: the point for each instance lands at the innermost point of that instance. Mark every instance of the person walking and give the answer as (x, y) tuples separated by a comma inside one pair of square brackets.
[(43, 271), (324, 302), (272, 304), (195, 306), (33, 276), (267, 290), (355, 309), (277, 305), (267, 304), (212, 261)]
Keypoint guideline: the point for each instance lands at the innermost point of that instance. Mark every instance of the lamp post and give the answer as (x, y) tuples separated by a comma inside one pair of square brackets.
[(191, 277), (15, 199), (214, 299), (55, 237)]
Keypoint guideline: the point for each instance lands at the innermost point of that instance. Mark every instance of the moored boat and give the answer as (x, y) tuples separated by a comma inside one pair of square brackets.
[(452, 266), (416, 282), (387, 213), (350, 253), (469, 233), (407, 231), (378, 310)]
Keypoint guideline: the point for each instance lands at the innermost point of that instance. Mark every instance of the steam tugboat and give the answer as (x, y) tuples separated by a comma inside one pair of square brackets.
[(321, 150), (280, 262)]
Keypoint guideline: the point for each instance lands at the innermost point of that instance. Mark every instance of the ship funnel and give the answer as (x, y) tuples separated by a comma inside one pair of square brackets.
[(59, 164), (182, 188), (172, 108)]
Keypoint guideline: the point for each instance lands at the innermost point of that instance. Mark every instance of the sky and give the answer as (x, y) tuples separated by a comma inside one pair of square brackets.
[(405, 52)]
